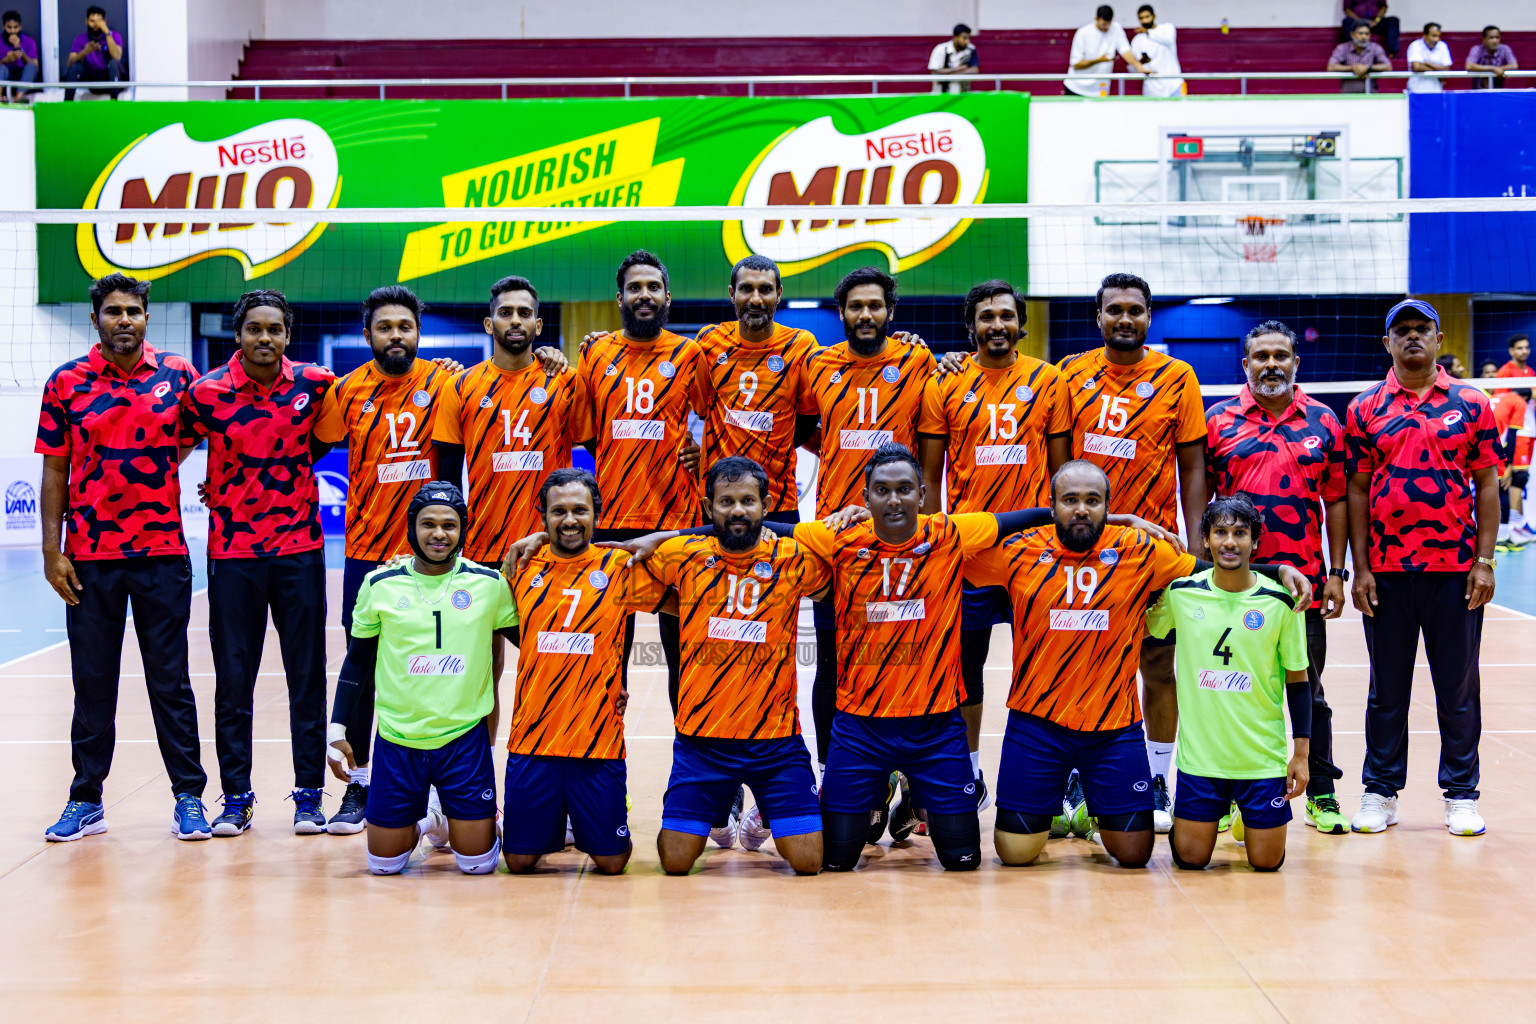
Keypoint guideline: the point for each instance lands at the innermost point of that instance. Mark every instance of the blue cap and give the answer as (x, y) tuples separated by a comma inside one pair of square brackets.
[(1415, 304)]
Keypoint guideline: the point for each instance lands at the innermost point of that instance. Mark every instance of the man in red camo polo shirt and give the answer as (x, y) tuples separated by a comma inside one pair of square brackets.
[(108, 435), (1423, 515), (265, 549), (1285, 449)]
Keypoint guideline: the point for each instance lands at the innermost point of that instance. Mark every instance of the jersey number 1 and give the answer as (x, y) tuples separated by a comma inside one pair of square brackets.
[(437, 619)]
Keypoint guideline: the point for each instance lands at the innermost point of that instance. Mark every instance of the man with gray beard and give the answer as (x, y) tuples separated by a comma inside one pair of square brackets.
[(1286, 451)]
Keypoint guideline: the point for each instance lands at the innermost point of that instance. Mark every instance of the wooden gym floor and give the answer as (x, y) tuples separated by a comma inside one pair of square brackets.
[(1410, 925)]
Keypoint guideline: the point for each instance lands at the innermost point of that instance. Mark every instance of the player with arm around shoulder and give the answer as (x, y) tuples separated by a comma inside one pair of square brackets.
[(1238, 644), (422, 634)]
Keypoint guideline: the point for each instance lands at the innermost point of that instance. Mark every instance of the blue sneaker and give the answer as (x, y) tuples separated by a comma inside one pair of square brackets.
[(308, 816), (239, 809), (79, 820), (190, 820)]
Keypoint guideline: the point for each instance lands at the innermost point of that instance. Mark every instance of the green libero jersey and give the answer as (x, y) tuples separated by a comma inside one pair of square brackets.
[(433, 674), (1232, 654)]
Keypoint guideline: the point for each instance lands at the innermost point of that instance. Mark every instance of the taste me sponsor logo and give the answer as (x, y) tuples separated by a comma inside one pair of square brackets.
[(935, 159), (613, 168), (285, 164)]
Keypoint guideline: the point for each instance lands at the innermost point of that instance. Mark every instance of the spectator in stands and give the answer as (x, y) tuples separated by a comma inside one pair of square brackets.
[(20, 61), (1374, 14), (1453, 366), (1157, 47), (955, 57), (1360, 55), (1491, 55), (1431, 53), (1489, 369), (1095, 44), (96, 54)]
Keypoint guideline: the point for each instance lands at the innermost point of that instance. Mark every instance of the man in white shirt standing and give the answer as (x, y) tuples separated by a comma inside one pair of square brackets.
[(1428, 54), (1094, 47), (955, 57), (1157, 47)]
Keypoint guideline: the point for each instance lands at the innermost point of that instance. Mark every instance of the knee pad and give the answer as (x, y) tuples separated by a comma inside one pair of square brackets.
[(842, 840), (481, 863), (1136, 821), (1021, 824), (388, 865), (1277, 867), (956, 840)]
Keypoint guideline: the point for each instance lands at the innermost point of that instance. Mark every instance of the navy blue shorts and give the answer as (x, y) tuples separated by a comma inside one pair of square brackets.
[(706, 772), (930, 750), (823, 615), (353, 572), (984, 607), (542, 791), (461, 770), (1262, 801), (1167, 641), (1038, 755)]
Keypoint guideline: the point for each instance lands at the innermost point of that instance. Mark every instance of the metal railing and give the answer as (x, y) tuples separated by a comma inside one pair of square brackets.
[(752, 83)]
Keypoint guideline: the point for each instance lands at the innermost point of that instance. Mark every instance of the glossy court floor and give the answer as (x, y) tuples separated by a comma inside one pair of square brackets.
[(1410, 925)]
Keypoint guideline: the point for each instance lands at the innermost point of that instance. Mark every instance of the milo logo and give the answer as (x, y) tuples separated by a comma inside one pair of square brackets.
[(935, 159), (287, 164)]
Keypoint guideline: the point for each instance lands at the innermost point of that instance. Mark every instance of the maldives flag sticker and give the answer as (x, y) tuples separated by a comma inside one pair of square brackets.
[(1186, 147)]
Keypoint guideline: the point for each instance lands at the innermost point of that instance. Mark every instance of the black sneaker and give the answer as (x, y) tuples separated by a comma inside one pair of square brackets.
[(308, 816), (1162, 806), (983, 794), (239, 808), (353, 815), (879, 813), (904, 817)]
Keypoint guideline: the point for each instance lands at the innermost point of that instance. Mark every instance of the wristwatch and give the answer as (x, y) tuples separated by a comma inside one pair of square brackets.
[(1489, 562), (1342, 574)]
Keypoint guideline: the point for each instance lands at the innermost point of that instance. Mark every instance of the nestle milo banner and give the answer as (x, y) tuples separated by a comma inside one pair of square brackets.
[(217, 163)]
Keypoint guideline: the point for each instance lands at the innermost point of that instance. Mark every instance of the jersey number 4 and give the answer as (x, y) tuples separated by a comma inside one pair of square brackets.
[(1221, 650)]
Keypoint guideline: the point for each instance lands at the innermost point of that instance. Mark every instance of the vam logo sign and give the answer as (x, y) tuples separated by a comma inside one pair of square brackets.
[(288, 164), (934, 159)]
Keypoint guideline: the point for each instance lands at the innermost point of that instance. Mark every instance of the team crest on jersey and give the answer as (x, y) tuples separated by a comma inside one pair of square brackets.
[(598, 579), (837, 377), (1199, 614), (711, 562), (722, 359), (368, 405), (1145, 390), (164, 388), (485, 403), (763, 570), (864, 554), (421, 399), (1311, 442), (1109, 556), (891, 374), (537, 581), (461, 599), (612, 371), (403, 603), (538, 396), (970, 396), (300, 403), (1045, 558), (923, 548), (1253, 619), (1089, 384), (666, 369), (1451, 418), (776, 364), (1024, 392)]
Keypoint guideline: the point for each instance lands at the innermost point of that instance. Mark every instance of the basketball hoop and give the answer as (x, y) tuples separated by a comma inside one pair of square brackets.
[(1260, 237)]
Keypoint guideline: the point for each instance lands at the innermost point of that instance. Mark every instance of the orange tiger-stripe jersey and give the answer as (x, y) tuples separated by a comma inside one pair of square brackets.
[(863, 403), (996, 422), (748, 394), (737, 617), (512, 425), (898, 611), (1078, 620), (1128, 420), (570, 663), (387, 424), (634, 398)]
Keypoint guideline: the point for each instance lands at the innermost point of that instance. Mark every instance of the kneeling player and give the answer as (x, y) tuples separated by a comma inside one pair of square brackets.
[(566, 752), (738, 601), (1079, 590), (1237, 646), (422, 635)]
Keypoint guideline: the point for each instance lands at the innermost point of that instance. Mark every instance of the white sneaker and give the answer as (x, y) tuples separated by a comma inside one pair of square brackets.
[(1377, 813), (1162, 806), (725, 836), (1462, 819), (752, 832)]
